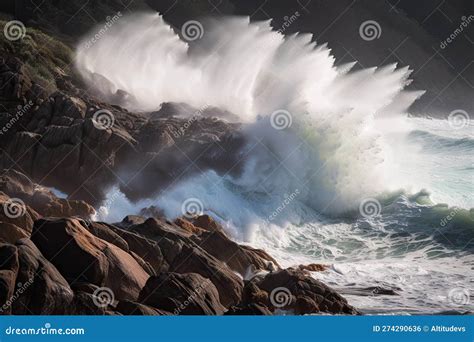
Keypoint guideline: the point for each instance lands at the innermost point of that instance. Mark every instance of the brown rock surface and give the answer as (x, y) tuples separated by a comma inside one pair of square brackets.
[(314, 267), (40, 199), (8, 272), (46, 292), (81, 256), (303, 294), (182, 294), (237, 257)]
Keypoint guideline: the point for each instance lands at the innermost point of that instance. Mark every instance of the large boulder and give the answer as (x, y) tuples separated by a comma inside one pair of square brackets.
[(44, 291), (81, 256), (146, 249), (237, 257), (42, 200), (11, 233), (292, 289), (183, 255), (14, 211), (8, 272), (182, 294), (196, 260)]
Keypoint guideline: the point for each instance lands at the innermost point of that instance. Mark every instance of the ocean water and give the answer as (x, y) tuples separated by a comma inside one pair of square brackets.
[(335, 170)]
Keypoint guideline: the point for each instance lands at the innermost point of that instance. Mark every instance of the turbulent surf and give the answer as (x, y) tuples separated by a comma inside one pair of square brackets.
[(335, 170)]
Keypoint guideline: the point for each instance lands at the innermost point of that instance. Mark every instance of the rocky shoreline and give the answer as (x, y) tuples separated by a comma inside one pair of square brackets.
[(55, 261)]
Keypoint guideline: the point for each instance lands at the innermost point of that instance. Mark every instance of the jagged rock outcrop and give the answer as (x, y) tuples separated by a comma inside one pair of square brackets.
[(8, 272), (41, 199), (81, 256), (302, 294), (16, 218), (183, 255), (181, 294), (46, 292)]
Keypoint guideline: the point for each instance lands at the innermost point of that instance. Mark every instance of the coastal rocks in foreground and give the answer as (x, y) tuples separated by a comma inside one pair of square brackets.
[(68, 132), (68, 264)]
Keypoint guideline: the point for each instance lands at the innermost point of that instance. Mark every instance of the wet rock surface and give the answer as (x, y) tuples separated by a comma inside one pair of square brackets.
[(144, 266), (56, 259)]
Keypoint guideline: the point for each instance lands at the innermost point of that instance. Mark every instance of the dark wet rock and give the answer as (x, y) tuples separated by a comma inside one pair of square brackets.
[(15, 83), (314, 267), (58, 138), (253, 294), (304, 305), (237, 257), (206, 222), (15, 212), (184, 255), (182, 294), (145, 248), (11, 233), (84, 287), (81, 256), (84, 304), (9, 266), (45, 291), (370, 291), (40, 199), (188, 226), (303, 294), (194, 259), (103, 231), (377, 290), (131, 220)]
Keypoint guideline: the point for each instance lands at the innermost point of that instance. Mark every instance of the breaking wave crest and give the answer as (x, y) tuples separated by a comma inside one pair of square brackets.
[(311, 126)]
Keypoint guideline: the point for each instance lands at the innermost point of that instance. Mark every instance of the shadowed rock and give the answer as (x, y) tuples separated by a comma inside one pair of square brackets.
[(182, 294), (46, 292), (40, 199), (303, 294), (15, 212), (8, 272), (81, 256)]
